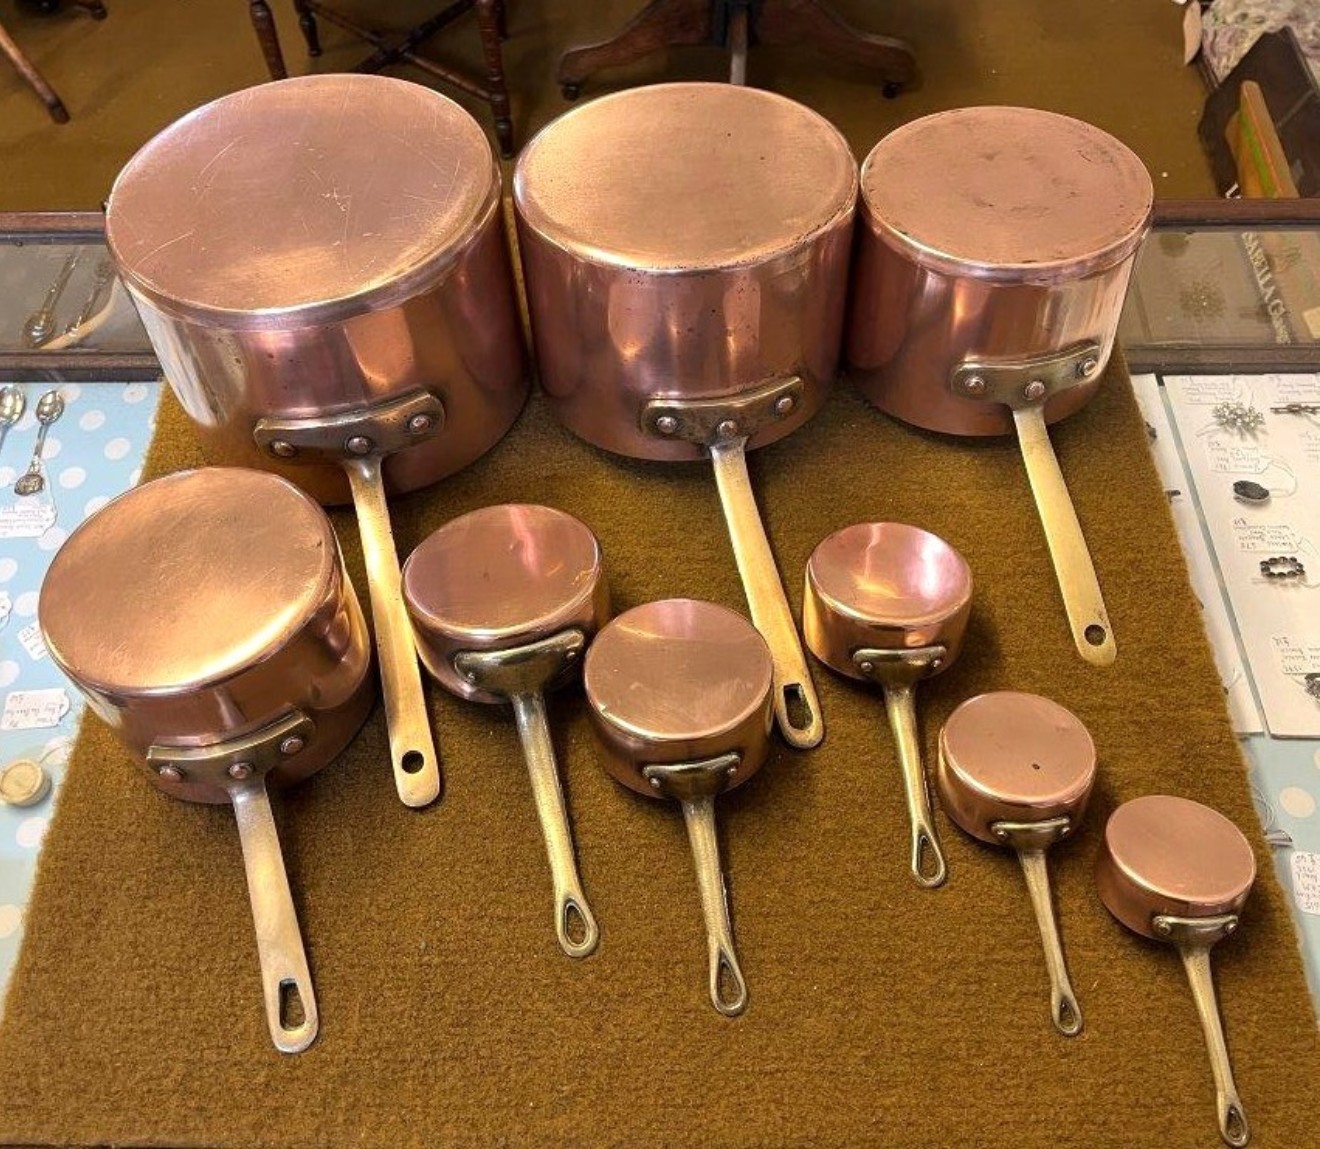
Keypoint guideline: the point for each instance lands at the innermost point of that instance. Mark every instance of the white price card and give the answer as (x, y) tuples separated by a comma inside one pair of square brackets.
[(1294, 656), (1236, 458), (26, 519), (1306, 881), (1274, 538), (34, 709), (30, 639)]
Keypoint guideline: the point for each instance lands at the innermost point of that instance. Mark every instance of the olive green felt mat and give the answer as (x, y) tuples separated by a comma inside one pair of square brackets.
[(880, 1014)]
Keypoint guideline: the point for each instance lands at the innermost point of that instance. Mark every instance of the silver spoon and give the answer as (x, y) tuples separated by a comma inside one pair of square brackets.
[(40, 325), (12, 405), (105, 272), (49, 408)]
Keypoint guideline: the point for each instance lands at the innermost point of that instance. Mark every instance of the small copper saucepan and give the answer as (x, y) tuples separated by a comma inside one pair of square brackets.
[(686, 253), (888, 603), (994, 251), (322, 268), (680, 695), (208, 620), (1016, 770), (1180, 872), (504, 601)]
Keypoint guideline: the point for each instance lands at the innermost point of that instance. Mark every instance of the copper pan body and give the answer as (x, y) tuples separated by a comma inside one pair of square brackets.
[(683, 240), (313, 247), (989, 234)]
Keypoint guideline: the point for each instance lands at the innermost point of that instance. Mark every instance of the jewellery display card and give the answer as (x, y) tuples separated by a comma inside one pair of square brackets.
[(1252, 445), (1242, 709)]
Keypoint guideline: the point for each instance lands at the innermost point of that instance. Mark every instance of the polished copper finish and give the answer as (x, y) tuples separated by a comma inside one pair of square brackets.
[(888, 603), (989, 233), (208, 619), (1178, 871), (504, 601), (1169, 855), (1016, 770), (1014, 757), (315, 246), (498, 578), (679, 693)]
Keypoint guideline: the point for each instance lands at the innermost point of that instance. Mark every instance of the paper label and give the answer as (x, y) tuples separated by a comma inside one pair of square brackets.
[(1236, 458), (32, 642), (1296, 389), (26, 519), (1295, 656), (34, 709), (1210, 390), (1311, 445), (1306, 881), (1276, 538)]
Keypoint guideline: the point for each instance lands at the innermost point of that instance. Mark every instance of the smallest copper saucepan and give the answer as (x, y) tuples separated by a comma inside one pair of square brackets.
[(208, 620), (1017, 770), (504, 601), (888, 603), (1177, 871), (681, 695)]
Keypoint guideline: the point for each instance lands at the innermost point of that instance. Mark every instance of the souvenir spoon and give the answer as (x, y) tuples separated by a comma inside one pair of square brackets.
[(40, 325), (503, 602), (681, 694), (1016, 770), (49, 408), (888, 603), (1177, 871)]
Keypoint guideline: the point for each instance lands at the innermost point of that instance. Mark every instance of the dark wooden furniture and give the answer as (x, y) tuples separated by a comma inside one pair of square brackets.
[(28, 70), (734, 24), (394, 48)]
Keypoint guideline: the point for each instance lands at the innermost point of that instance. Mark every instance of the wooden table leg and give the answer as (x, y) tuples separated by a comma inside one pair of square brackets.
[(35, 79), (658, 25), (307, 22), (816, 23), (489, 19), (263, 23)]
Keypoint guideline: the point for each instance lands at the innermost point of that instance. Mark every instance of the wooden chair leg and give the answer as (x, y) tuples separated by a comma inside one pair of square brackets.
[(35, 79), (660, 24), (263, 23), (307, 22), (815, 22), (488, 19)]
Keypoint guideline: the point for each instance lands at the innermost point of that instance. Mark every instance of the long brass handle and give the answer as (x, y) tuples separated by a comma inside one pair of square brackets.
[(927, 862), (1082, 601), (412, 749), (728, 988), (1233, 1127), (797, 709), (284, 973), (1064, 1010), (575, 924)]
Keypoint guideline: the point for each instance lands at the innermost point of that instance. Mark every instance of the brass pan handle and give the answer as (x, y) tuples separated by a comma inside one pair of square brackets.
[(728, 988), (928, 866)]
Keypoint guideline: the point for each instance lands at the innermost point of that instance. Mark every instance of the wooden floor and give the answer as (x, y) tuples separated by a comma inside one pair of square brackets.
[(1115, 63)]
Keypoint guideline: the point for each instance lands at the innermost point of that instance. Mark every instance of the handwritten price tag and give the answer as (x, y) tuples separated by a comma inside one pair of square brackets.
[(1306, 881), (1210, 390), (1276, 538), (34, 709), (1236, 458), (26, 519), (32, 642), (1296, 657)]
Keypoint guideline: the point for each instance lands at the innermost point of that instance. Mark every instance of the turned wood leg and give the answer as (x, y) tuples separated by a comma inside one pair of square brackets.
[(307, 22), (660, 24), (488, 20), (502, 19), (263, 23), (35, 79), (815, 22)]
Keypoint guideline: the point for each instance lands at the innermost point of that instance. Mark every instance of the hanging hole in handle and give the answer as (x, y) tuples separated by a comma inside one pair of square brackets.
[(728, 991), (1067, 1017), (796, 707), (1096, 634), (927, 861), (578, 933), (1234, 1127), (292, 1013), (412, 762)]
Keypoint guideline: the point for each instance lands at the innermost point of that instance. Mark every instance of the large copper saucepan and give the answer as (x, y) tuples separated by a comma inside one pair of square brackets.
[(322, 268), (208, 619), (686, 252), (994, 252)]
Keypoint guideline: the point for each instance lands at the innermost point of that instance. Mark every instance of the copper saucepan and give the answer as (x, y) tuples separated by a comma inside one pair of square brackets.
[(208, 620), (1016, 770), (1180, 872), (680, 696), (322, 268), (994, 251), (504, 601), (686, 250), (888, 603)]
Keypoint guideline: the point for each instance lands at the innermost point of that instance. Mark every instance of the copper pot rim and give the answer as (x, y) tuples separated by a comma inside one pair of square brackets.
[(322, 312), (785, 255)]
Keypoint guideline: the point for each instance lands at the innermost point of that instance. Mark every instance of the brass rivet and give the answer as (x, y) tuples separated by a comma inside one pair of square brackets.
[(1034, 390), (666, 424), (867, 667), (171, 773), (727, 429), (282, 449), (785, 404), (655, 783), (419, 423), (292, 745), (240, 770), (974, 385), (358, 445), (1087, 366)]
